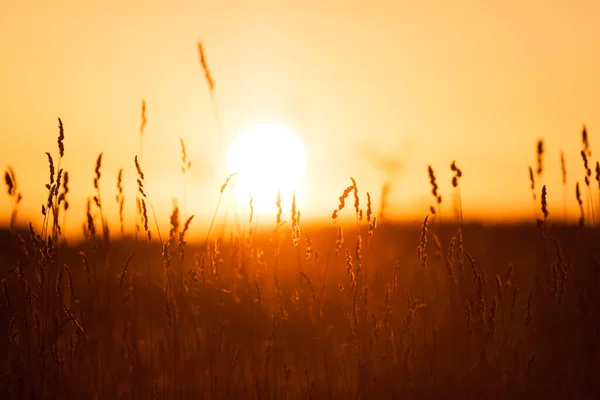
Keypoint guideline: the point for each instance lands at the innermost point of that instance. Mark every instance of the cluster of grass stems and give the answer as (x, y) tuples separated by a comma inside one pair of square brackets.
[(447, 310)]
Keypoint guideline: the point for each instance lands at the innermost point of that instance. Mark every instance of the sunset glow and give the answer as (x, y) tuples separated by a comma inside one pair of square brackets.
[(376, 91)]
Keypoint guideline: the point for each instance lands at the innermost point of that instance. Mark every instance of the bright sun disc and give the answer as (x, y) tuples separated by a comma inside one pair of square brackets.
[(267, 158)]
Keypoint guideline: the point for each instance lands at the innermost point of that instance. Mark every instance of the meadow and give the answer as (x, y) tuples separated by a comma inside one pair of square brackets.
[(444, 309), (358, 306)]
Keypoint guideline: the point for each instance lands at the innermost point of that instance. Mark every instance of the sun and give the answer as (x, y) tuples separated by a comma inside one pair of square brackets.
[(267, 158)]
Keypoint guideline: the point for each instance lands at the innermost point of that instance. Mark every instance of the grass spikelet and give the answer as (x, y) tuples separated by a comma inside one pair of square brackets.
[(204, 65), (185, 163), (61, 138), (295, 222), (532, 181), (186, 225), (120, 198), (339, 241), (145, 218), (90, 225), (11, 181), (138, 168), (349, 264), (421, 250), (540, 157), (356, 198), (226, 183), (63, 195), (588, 171), (344, 196), (335, 214), (588, 178), (279, 209), (309, 245), (585, 141), (51, 169), (182, 242), (174, 220), (140, 185), (580, 203), (358, 257), (142, 190), (372, 226), (97, 171), (143, 119), (166, 253), (369, 209), (434, 186), (457, 174), (15, 196), (251, 205), (544, 202), (58, 183)]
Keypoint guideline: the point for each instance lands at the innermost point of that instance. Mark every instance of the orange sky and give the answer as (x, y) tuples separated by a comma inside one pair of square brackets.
[(425, 82)]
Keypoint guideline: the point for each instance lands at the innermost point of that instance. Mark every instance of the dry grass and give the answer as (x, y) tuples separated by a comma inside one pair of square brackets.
[(242, 318)]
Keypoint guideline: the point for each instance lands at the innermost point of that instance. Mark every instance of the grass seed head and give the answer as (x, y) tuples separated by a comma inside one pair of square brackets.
[(356, 199), (457, 174), (585, 141), (51, 168), (434, 186), (563, 167), (138, 168), (97, 171), (540, 157), (421, 250), (532, 181), (61, 138), (544, 202), (279, 209), (226, 183), (11, 181), (204, 65), (144, 121)]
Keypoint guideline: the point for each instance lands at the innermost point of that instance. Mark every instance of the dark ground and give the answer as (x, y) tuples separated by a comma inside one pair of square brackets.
[(254, 319)]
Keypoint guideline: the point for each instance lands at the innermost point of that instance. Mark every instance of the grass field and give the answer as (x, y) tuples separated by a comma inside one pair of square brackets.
[(358, 310)]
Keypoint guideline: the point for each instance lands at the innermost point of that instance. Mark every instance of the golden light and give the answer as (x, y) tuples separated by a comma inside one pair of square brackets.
[(267, 158)]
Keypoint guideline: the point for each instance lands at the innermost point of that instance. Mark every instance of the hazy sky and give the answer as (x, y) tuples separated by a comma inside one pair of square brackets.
[(424, 82)]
